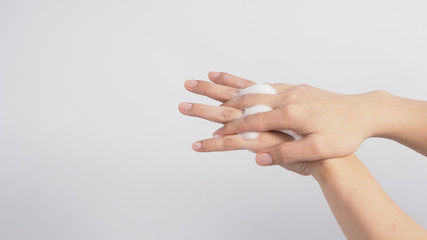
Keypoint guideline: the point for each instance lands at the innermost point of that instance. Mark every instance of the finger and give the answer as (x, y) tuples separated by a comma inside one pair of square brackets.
[(229, 80), (250, 100), (227, 143), (236, 142), (211, 90), (309, 148), (278, 119), (268, 139), (211, 113)]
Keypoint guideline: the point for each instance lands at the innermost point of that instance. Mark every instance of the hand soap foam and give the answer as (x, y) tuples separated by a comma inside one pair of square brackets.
[(261, 89)]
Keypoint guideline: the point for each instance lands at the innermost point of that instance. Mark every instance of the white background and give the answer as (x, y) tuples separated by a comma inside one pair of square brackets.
[(92, 145)]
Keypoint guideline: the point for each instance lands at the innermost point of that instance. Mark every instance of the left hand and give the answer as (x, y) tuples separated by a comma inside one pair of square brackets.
[(225, 87)]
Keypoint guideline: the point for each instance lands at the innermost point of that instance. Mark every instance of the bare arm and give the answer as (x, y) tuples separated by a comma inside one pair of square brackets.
[(361, 207), (403, 120), (333, 125)]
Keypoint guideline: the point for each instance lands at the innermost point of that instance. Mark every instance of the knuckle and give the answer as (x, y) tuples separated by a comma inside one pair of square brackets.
[(254, 122), (284, 154), (290, 97), (304, 86), (248, 120), (290, 110), (303, 89), (245, 100), (227, 143), (226, 114), (206, 146)]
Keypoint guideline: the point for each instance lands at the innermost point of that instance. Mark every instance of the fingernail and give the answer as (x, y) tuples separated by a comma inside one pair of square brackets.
[(216, 136), (191, 83), (240, 84), (185, 106), (218, 132), (214, 74), (264, 159), (197, 145)]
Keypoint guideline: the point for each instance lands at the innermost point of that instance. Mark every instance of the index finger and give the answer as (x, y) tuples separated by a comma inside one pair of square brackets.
[(229, 80), (211, 90), (259, 122)]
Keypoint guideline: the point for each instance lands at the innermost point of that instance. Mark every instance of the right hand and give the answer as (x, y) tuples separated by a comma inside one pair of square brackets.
[(226, 88), (333, 125)]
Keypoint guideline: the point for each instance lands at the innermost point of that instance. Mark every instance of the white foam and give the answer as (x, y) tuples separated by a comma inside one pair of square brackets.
[(261, 89)]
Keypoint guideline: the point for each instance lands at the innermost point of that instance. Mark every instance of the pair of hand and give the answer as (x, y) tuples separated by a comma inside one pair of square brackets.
[(333, 125)]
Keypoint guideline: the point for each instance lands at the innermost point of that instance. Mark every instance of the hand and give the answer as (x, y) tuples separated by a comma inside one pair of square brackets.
[(333, 125), (226, 88)]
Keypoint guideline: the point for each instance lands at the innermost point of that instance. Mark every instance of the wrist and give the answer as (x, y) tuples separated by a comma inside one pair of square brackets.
[(380, 122), (322, 170), (325, 171)]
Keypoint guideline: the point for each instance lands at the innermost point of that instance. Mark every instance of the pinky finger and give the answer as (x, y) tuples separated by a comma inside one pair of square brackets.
[(236, 142), (212, 113), (220, 144)]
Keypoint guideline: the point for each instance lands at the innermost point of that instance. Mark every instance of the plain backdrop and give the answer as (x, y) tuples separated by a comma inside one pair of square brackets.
[(92, 145)]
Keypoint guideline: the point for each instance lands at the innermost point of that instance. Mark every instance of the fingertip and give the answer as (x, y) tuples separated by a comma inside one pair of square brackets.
[(213, 74), (264, 159), (185, 106), (180, 108), (190, 83), (197, 146)]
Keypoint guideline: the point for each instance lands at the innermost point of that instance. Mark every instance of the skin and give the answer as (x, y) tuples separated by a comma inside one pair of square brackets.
[(223, 88), (362, 209), (334, 125)]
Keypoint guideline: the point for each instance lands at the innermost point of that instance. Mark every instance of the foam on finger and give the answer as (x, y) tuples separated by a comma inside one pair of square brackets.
[(261, 89)]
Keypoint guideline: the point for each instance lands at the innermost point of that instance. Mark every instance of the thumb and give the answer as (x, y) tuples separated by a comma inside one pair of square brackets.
[(307, 149)]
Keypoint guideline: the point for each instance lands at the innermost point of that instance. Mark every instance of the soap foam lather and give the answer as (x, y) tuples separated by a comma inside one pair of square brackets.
[(261, 89)]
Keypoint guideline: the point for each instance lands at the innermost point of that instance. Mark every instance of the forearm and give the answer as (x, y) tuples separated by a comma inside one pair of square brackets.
[(402, 120), (362, 209)]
